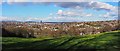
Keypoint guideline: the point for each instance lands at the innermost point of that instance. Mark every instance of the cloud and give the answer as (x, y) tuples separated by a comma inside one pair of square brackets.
[(67, 13), (65, 0), (4, 18), (81, 4), (102, 6), (73, 0), (87, 5), (61, 0), (38, 19), (109, 14), (73, 13), (88, 15), (16, 1), (106, 15), (60, 12), (0, 2), (55, 19), (112, 11), (37, 1)]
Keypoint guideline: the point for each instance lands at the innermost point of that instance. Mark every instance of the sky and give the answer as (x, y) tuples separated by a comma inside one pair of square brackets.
[(58, 11)]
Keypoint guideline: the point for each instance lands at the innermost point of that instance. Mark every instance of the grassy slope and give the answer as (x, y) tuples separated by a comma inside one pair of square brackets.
[(108, 40)]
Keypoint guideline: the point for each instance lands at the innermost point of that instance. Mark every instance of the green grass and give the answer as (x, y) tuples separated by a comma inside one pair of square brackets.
[(108, 40)]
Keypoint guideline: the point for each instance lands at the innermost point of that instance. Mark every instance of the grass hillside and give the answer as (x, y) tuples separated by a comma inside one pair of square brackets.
[(103, 41)]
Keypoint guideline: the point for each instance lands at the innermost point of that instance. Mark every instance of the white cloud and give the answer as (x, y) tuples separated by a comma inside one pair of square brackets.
[(58, 19), (2, 18), (73, 0), (0, 2), (62, 0), (73, 13), (38, 18), (102, 6), (112, 11), (88, 15), (109, 14), (106, 15), (10, 1), (36, 1), (65, 0), (16, 1), (60, 12), (67, 13), (83, 4), (87, 5), (6, 18)]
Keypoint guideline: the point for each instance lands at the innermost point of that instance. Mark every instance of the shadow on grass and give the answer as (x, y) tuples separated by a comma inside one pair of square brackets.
[(99, 43), (64, 42), (90, 44), (23, 45), (43, 44)]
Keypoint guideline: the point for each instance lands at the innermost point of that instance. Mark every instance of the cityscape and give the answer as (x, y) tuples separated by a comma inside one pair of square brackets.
[(53, 25), (56, 29)]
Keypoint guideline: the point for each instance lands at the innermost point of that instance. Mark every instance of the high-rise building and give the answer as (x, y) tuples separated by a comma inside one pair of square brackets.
[(41, 21)]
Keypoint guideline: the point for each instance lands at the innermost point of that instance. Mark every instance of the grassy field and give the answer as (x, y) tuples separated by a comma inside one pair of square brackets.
[(104, 41)]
